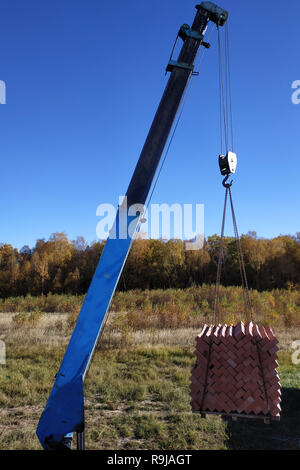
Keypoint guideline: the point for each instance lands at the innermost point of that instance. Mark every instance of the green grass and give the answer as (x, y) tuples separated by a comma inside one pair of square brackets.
[(136, 398)]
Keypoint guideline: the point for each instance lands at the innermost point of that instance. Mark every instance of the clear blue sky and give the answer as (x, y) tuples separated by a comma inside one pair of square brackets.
[(84, 79)]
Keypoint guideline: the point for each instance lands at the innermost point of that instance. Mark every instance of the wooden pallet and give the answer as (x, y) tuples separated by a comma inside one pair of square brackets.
[(236, 416)]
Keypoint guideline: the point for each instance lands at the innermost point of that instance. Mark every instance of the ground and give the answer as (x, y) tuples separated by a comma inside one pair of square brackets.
[(137, 391)]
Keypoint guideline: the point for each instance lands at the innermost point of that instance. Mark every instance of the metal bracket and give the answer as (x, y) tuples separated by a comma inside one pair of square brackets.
[(187, 32), (216, 14), (180, 65)]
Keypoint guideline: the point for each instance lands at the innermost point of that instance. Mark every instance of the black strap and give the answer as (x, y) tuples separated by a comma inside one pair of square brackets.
[(247, 300)]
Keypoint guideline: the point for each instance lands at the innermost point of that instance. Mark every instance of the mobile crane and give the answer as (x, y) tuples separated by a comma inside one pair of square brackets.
[(64, 412)]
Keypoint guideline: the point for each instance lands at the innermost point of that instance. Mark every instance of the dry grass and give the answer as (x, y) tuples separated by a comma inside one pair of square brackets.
[(51, 330), (136, 391), (54, 329)]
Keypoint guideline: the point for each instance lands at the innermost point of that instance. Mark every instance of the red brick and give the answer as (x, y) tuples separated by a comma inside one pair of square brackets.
[(235, 384)]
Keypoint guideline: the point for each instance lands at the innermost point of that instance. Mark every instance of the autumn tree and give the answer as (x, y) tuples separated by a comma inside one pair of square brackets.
[(62, 266), (40, 264)]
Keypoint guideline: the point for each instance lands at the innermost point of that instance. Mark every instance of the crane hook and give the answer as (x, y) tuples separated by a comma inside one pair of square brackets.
[(227, 185)]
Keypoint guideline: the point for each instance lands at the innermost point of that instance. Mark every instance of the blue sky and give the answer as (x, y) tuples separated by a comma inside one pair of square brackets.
[(84, 79)]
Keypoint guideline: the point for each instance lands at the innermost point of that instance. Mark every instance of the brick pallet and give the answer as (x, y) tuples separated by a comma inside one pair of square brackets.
[(236, 372)]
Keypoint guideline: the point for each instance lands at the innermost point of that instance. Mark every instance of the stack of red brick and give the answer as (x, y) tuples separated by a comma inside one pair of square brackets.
[(236, 371)]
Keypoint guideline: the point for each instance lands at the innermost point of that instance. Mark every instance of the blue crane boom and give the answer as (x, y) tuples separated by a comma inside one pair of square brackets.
[(64, 411)]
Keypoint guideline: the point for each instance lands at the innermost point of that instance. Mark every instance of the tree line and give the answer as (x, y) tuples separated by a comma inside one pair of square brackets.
[(59, 265)]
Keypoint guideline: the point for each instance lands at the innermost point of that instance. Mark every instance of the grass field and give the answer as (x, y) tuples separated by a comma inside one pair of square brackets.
[(137, 389)]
